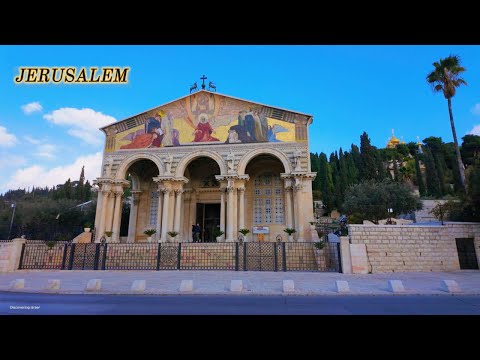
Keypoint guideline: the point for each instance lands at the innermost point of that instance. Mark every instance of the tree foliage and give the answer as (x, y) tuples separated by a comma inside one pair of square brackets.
[(372, 199)]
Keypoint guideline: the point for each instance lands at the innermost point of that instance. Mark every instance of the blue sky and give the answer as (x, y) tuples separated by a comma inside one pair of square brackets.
[(48, 131)]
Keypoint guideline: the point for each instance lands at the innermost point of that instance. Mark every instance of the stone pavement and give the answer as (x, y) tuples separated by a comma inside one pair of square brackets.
[(254, 282)]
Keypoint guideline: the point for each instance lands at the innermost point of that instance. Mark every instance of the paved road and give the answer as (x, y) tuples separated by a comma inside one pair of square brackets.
[(72, 304)]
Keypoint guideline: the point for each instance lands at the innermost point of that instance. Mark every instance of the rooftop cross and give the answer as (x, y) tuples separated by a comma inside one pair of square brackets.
[(203, 78)]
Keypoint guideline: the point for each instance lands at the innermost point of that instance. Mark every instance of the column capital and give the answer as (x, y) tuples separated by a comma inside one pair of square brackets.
[(118, 193), (136, 197), (288, 188), (241, 189), (230, 189), (166, 191), (179, 191), (106, 193)]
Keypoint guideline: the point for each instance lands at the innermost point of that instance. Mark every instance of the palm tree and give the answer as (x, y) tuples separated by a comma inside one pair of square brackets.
[(446, 78)]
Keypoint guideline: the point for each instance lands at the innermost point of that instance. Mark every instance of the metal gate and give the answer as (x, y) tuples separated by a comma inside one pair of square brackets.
[(466, 253), (260, 256)]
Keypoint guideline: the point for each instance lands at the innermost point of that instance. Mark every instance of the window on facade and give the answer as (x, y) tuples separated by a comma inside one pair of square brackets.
[(153, 207), (268, 199)]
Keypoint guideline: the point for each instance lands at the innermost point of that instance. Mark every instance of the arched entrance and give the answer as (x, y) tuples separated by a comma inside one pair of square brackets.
[(141, 201), (203, 203), (265, 196)]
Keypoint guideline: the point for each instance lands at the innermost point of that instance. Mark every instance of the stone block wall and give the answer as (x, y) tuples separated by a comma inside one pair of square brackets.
[(10, 252), (400, 248), (5, 255)]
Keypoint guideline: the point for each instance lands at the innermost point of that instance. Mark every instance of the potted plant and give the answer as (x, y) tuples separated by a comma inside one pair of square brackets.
[(149, 233), (244, 232), (87, 226), (290, 231), (50, 244), (320, 254), (218, 234), (172, 234), (108, 235)]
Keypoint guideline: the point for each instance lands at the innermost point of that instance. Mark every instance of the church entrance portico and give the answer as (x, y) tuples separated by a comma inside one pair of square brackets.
[(208, 217), (224, 163)]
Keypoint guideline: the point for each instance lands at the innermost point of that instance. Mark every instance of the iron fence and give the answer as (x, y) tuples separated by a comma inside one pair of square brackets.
[(236, 256)]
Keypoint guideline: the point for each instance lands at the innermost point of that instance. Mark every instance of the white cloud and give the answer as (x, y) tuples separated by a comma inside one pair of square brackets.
[(475, 130), (83, 123), (32, 107), (46, 151), (32, 140), (10, 161), (476, 109), (37, 175), (7, 139)]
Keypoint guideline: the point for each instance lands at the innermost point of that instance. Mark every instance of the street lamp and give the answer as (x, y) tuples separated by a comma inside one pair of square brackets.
[(390, 211), (13, 205)]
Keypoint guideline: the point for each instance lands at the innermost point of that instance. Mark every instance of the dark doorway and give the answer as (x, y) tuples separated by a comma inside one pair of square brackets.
[(466, 253), (208, 216)]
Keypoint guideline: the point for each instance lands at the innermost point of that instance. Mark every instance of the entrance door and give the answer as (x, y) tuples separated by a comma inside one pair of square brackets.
[(208, 216), (466, 253)]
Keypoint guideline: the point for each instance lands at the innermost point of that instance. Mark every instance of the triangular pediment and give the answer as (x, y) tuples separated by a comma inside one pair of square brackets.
[(206, 117)]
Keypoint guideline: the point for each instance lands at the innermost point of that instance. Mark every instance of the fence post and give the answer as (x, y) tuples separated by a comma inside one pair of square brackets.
[(179, 255), (64, 258), (339, 255), (245, 256), (158, 256), (104, 259), (21, 257), (284, 257), (97, 255), (236, 256), (70, 260), (275, 256)]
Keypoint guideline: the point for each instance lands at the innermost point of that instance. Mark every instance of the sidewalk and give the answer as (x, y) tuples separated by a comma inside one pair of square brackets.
[(254, 282)]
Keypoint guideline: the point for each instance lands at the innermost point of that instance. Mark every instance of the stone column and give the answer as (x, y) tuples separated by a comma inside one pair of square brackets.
[(103, 214), (117, 215), (235, 214), (193, 208), (230, 214), (110, 211), (222, 211), (132, 222), (159, 214), (241, 210), (178, 207), (165, 210), (98, 210), (288, 206), (298, 212)]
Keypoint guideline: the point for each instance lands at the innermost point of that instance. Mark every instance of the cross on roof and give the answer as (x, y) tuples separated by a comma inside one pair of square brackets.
[(203, 78)]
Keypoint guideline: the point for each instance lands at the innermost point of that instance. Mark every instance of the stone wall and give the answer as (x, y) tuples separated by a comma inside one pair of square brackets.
[(399, 248), (10, 254), (5, 254)]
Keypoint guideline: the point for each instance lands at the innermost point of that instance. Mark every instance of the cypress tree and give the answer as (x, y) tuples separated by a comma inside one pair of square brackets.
[(326, 182), (396, 173), (369, 168), (420, 183), (433, 184)]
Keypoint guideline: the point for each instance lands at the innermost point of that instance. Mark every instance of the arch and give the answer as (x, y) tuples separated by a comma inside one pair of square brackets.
[(129, 160), (242, 164), (183, 163)]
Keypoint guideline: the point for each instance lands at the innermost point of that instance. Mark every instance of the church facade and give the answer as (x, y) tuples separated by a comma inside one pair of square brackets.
[(224, 163)]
